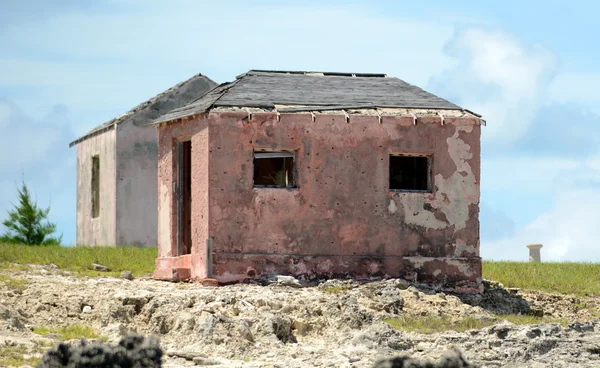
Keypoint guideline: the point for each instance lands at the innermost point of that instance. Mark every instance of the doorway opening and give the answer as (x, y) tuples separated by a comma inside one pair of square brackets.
[(184, 197)]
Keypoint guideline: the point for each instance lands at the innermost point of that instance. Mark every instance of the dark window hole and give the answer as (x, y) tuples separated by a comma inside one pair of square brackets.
[(410, 173), (274, 169)]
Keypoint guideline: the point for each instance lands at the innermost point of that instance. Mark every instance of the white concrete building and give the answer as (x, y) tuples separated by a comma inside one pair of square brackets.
[(117, 171)]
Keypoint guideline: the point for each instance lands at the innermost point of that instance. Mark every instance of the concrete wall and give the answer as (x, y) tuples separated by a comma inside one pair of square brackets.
[(137, 152), (342, 211), (342, 219), (167, 205), (100, 230), (137, 170)]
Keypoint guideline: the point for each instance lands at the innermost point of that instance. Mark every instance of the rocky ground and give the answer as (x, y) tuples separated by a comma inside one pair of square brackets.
[(284, 324)]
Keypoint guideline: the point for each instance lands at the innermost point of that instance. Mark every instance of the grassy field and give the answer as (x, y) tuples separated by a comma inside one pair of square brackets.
[(564, 278), (430, 324), (140, 261)]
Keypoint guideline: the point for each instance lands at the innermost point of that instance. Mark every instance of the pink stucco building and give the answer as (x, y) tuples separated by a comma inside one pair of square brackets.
[(319, 175), (117, 169)]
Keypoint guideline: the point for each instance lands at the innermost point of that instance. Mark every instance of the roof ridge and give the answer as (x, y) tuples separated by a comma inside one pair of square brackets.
[(318, 73)]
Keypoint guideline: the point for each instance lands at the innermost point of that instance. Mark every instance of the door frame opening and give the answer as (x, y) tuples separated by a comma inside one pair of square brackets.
[(184, 196)]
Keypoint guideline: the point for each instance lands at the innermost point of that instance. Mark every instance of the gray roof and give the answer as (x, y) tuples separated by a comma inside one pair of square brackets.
[(327, 91), (146, 112)]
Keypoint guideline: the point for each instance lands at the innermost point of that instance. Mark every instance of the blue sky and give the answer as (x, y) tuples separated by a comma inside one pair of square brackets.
[(529, 67)]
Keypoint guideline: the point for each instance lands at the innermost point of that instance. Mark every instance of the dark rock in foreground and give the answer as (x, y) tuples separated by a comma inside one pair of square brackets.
[(452, 359), (132, 351)]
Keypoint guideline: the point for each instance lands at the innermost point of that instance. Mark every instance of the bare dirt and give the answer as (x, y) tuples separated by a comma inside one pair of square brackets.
[(332, 324)]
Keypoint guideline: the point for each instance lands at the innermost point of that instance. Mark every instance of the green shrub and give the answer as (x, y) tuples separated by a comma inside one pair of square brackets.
[(27, 223)]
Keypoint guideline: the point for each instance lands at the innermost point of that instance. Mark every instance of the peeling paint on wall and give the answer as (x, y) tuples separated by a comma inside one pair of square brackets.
[(453, 196), (342, 218), (392, 208)]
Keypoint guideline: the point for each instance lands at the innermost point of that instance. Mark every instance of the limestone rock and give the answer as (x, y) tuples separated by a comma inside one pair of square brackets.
[(287, 281), (127, 275), (99, 267), (340, 323)]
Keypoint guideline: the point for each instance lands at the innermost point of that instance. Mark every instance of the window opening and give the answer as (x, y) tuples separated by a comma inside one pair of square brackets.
[(274, 170), (95, 186), (410, 173)]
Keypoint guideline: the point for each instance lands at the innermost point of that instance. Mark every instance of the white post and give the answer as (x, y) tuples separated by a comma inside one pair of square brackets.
[(534, 252)]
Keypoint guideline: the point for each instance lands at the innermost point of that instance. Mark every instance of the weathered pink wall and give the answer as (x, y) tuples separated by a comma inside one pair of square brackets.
[(137, 151), (342, 209), (167, 208), (100, 230), (342, 219)]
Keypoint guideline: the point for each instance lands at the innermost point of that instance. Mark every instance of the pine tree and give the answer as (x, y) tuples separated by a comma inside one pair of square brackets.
[(27, 223)]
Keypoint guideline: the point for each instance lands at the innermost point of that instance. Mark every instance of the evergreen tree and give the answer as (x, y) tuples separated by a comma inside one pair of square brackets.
[(27, 223)]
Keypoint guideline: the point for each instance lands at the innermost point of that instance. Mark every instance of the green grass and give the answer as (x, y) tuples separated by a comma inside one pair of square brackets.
[(563, 278), (12, 356), (523, 319), (432, 324), (71, 332), (140, 261), (13, 283)]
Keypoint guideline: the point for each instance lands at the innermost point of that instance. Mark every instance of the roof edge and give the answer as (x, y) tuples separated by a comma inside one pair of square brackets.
[(92, 134), (166, 118), (112, 122), (286, 110)]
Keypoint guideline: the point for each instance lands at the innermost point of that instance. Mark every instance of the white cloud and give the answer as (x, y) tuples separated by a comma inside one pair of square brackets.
[(498, 77), (569, 231)]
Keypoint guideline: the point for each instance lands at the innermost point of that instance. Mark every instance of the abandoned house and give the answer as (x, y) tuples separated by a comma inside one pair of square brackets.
[(319, 175), (117, 170)]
